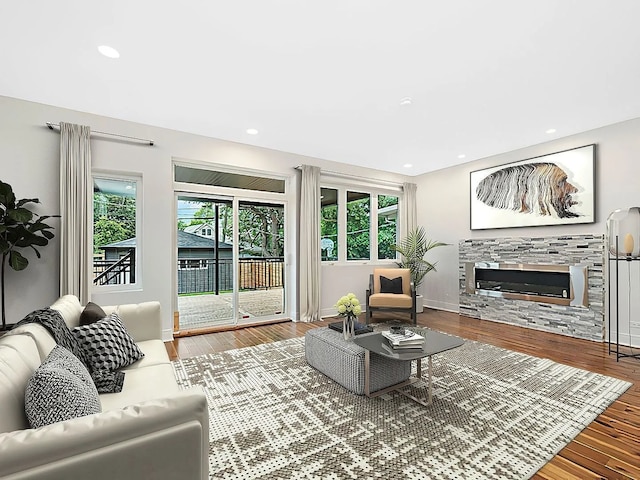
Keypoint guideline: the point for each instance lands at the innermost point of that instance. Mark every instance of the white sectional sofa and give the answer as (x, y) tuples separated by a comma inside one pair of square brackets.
[(151, 429)]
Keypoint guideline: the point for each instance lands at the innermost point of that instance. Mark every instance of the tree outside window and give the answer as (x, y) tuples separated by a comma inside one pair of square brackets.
[(114, 212), (329, 224), (359, 238), (387, 226), (358, 226), (114, 221)]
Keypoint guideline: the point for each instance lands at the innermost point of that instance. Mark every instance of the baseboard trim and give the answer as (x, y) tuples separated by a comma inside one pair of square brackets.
[(446, 306)]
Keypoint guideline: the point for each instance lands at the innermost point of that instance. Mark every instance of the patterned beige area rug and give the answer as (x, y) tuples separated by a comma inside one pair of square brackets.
[(496, 414)]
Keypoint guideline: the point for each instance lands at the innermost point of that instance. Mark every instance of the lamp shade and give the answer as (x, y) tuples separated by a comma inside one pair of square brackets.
[(623, 232)]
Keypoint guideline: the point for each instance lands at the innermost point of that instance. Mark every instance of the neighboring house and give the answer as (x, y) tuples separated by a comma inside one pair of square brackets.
[(192, 246), (201, 229), (389, 213), (196, 261)]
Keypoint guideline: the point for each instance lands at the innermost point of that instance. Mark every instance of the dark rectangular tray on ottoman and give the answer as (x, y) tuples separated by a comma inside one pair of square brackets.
[(359, 327)]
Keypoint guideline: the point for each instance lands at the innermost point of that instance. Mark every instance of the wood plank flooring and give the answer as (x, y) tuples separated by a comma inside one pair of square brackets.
[(609, 448)]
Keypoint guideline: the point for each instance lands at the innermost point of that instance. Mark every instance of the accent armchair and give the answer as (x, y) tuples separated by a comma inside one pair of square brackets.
[(391, 289)]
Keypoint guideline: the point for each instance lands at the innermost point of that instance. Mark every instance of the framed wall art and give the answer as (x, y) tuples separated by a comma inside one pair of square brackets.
[(553, 189)]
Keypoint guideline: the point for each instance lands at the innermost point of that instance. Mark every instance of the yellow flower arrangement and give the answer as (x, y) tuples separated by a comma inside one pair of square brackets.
[(348, 306)]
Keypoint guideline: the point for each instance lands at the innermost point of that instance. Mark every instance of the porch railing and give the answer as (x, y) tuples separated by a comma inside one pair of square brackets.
[(115, 272), (199, 275)]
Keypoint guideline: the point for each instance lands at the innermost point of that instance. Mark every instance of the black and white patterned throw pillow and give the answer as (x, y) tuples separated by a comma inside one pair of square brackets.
[(60, 389), (107, 344)]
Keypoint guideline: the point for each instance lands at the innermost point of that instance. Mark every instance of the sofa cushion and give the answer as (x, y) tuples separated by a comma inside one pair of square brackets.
[(142, 384), (107, 344), (91, 314), (60, 389), (19, 358), (70, 309), (155, 353), (143, 321), (42, 338)]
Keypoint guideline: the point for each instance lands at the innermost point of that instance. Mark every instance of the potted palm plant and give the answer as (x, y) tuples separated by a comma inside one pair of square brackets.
[(412, 250), (19, 228)]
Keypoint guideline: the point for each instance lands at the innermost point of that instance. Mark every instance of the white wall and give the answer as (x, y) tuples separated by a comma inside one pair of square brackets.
[(443, 199), (29, 161)]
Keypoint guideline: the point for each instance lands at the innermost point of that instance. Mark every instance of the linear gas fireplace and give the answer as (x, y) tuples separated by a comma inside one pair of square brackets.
[(579, 257), (558, 284)]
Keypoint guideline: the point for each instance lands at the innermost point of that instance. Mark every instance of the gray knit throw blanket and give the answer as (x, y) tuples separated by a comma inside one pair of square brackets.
[(106, 382)]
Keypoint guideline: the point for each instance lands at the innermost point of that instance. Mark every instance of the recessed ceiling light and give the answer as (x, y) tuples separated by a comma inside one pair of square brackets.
[(252, 131), (108, 51), (406, 101), (551, 130), (462, 155), (408, 165)]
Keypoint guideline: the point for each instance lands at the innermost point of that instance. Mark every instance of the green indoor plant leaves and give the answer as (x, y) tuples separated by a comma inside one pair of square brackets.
[(412, 250), (20, 228)]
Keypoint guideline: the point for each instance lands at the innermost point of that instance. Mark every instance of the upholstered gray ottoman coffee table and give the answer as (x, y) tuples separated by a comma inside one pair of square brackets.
[(343, 361)]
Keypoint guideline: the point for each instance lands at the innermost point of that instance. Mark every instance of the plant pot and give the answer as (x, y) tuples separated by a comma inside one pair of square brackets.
[(419, 303)]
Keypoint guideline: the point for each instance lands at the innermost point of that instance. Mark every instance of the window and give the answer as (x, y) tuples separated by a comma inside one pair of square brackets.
[(193, 264), (358, 226), (387, 226), (346, 227), (115, 225), (329, 223)]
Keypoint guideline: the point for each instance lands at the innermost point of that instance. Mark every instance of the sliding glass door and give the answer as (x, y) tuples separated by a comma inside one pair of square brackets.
[(205, 276), (261, 259), (230, 261)]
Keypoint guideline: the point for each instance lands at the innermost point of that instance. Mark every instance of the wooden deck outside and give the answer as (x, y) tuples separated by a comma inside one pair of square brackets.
[(210, 310)]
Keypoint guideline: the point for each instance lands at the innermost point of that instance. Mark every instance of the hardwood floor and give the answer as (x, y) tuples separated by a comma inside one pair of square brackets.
[(609, 448)]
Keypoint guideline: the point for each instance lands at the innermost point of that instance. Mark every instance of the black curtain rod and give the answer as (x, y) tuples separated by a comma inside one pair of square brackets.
[(51, 126)]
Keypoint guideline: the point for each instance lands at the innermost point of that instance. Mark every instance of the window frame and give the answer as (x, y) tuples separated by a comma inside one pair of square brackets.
[(137, 179), (342, 189)]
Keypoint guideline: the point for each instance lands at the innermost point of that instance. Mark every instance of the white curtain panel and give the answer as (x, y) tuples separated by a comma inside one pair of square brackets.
[(409, 213), (76, 189), (310, 244)]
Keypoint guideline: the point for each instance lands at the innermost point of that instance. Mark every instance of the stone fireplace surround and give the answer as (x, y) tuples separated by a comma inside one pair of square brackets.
[(580, 322)]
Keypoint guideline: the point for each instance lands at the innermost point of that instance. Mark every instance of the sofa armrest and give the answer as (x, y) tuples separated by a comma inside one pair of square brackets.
[(143, 321), (163, 438)]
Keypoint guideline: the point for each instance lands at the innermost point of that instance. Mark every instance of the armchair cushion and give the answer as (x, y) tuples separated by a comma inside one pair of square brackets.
[(403, 273), (390, 285), (390, 300)]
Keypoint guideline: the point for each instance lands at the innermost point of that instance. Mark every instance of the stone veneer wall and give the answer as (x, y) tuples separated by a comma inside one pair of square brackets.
[(577, 322)]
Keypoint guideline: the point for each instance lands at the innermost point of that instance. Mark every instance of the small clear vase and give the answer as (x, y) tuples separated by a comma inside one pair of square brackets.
[(349, 327)]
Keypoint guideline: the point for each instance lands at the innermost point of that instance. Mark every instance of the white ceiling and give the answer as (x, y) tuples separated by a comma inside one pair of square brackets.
[(325, 78)]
